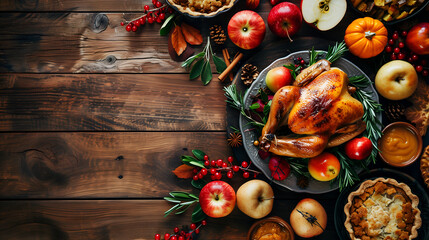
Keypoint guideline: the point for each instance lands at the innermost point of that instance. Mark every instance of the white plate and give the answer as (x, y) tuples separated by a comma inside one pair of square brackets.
[(250, 136)]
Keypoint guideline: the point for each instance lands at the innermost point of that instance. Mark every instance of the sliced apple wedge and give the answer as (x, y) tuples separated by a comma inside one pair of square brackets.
[(323, 14)]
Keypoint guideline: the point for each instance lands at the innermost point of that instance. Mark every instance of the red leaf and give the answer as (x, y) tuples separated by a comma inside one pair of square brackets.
[(178, 40), (192, 35), (184, 171), (279, 168)]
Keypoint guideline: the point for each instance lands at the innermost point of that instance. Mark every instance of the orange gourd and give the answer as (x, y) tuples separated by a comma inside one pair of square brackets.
[(366, 37)]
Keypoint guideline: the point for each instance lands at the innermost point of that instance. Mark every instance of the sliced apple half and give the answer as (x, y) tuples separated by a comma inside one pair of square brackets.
[(323, 14)]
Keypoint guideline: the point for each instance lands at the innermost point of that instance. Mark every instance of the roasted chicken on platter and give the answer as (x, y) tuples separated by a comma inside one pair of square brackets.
[(318, 111)]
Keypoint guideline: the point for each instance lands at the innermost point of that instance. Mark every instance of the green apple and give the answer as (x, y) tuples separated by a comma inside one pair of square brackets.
[(277, 78)]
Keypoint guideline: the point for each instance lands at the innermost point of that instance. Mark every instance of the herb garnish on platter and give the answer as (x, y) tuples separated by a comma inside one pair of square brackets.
[(348, 175)]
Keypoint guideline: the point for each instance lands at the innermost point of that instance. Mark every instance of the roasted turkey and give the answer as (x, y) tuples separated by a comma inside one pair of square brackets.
[(317, 110)]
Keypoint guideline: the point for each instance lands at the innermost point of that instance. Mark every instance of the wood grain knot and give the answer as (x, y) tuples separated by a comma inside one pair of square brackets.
[(109, 60), (99, 22), (40, 166)]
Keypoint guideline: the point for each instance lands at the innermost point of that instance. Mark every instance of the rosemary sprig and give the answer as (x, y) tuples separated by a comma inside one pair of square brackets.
[(313, 56), (235, 100), (294, 70), (200, 63), (347, 176), (334, 53), (299, 168), (371, 109), (183, 201)]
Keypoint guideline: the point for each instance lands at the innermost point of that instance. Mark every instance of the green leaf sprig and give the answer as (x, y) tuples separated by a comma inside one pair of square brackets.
[(183, 201), (200, 64), (235, 100), (371, 110), (167, 25)]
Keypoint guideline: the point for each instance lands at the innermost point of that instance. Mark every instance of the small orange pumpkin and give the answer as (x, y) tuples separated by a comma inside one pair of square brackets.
[(366, 37)]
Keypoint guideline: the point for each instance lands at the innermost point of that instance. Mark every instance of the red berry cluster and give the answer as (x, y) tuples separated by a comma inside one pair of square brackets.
[(299, 62), (397, 50), (184, 234), (216, 167), (155, 15)]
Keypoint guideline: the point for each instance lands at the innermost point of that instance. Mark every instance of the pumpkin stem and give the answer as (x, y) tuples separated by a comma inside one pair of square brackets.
[(369, 35)]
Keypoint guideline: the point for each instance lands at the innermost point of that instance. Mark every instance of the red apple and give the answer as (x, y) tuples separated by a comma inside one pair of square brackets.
[(324, 167), (277, 78), (308, 219), (418, 38), (285, 19), (322, 14), (217, 199), (358, 148), (246, 29)]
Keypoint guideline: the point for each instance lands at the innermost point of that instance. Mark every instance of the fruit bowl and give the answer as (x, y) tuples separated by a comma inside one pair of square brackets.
[(249, 136), (194, 14)]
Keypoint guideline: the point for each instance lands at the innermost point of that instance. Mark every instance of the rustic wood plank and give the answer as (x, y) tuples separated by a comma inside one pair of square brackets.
[(126, 219), (99, 165), (72, 5), (69, 42), (65, 102)]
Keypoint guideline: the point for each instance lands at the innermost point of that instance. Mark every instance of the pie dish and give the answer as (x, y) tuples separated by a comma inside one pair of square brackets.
[(201, 8), (382, 209), (424, 165)]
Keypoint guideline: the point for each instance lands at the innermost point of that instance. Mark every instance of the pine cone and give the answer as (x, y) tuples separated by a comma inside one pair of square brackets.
[(217, 34), (249, 73), (395, 111)]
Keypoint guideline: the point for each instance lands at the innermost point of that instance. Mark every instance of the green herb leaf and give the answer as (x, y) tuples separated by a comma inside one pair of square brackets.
[(166, 26), (188, 62), (199, 184), (313, 56), (254, 106), (170, 199), (196, 69), (198, 215), (181, 195), (166, 213), (206, 75), (198, 154), (187, 159), (219, 63), (197, 164), (184, 209)]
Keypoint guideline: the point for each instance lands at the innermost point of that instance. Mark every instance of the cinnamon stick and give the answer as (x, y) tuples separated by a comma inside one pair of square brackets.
[(230, 67), (227, 62)]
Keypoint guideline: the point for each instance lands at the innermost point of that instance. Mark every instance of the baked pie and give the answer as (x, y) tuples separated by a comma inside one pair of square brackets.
[(382, 209), (424, 166), (202, 7)]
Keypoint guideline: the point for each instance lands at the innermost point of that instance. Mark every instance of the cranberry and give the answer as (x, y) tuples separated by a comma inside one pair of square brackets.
[(401, 45), (137, 23), (388, 49), (181, 238), (122, 23), (246, 174), (206, 163), (235, 168), (230, 159), (391, 42), (142, 20), (206, 158), (158, 4), (204, 222), (213, 163), (396, 50), (244, 164), (230, 174), (157, 236), (128, 28), (425, 73), (176, 230), (173, 238), (415, 57), (195, 177), (395, 36), (146, 7), (224, 165), (219, 162), (212, 171), (401, 56), (200, 175), (150, 20), (197, 231), (204, 171), (134, 28), (218, 175), (393, 56), (166, 236), (193, 226), (419, 68), (404, 33)]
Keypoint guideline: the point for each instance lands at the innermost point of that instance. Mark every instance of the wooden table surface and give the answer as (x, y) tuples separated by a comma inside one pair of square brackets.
[(93, 119)]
